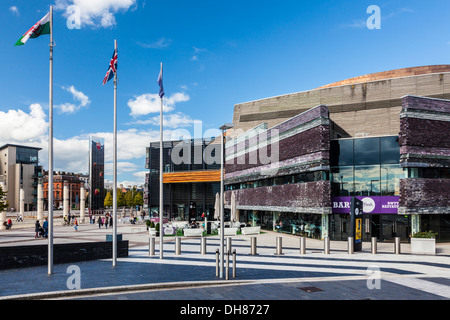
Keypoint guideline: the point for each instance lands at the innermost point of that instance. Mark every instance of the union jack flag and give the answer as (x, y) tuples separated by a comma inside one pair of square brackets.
[(112, 68)]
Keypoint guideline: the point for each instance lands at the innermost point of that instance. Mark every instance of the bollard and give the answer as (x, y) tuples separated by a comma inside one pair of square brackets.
[(374, 245), (326, 245), (229, 244), (397, 245), (279, 245), (234, 263), (151, 246), (203, 246), (253, 246), (351, 244), (302, 245), (227, 275), (177, 245), (217, 262)]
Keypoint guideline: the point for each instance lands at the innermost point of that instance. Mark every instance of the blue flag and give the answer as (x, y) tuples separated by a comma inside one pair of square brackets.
[(160, 83)]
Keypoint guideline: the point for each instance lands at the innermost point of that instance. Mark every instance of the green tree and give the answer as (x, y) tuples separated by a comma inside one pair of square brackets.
[(129, 201), (108, 200), (120, 198), (138, 199), (3, 202)]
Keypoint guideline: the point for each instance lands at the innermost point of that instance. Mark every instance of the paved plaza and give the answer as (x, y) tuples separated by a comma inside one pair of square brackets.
[(265, 276)]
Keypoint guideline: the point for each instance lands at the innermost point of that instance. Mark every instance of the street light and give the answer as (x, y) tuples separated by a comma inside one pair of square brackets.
[(222, 153)]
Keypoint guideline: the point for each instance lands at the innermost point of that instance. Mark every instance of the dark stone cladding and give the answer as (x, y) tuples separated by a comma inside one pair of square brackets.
[(424, 132), (418, 196), (305, 137), (304, 146), (310, 197), (424, 142), (37, 255)]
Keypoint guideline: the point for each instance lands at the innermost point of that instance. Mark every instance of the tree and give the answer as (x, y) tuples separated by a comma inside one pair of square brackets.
[(3, 202), (138, 199), (108, 200), (129, 199), (120, 198)]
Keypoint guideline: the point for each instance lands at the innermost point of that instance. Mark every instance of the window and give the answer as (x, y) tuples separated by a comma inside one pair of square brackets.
[(390, 150), (341, 152), (367, 151), (390, 177), (342, 181), (367, 180)]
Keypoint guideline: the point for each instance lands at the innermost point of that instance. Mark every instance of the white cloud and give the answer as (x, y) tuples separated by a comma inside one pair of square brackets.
[(160, 44), (173, 121), (17, 126), (97, 12), (14, 10), (76, 95), (151, 103)]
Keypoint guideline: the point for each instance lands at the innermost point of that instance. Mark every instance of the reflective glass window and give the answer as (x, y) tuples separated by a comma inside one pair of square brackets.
[(367, 180), (341, 152), (390, 150), (390, 179), (367, 151), (342, 181)]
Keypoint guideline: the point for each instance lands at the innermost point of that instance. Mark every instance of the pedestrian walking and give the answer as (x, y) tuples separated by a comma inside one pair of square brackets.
[(45, 226), (106, 222), (75, 224), (111, 222), (99, 221), (37, 228)]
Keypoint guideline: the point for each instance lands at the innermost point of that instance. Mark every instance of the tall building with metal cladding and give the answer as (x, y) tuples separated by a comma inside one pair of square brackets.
[(96, 174), (295, 161)]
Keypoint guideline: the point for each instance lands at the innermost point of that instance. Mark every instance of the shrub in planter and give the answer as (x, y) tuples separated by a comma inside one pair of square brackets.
[(425, 234), (424, 242)]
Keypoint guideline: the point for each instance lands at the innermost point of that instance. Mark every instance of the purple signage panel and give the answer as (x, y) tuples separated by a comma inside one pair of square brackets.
[(380, 205)]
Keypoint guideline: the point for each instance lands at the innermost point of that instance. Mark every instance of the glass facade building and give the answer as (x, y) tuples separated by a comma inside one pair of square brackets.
[(191, 178), (96, 174)]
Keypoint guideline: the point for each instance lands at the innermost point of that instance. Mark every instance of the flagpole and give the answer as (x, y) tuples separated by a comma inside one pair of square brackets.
[(115, 168), (50, 153), (161, 190)]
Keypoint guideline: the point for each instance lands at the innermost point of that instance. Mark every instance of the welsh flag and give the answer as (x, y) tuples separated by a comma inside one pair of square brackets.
[(41, 27)]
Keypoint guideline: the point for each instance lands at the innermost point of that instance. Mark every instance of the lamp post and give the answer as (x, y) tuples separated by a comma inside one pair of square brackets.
[(222, 155)]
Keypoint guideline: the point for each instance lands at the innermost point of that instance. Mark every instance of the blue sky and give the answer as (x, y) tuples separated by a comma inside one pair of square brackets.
[(215, 53)]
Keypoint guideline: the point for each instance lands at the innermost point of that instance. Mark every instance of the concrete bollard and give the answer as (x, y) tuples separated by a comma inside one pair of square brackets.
[(302, 245), (326, 245), (217, 262), (151, 246), (234, 263), (229, 244), (351, 245), (374, 245), (279, 245), (253, 246), (227, 271), (397, 245), (177, 245), (203, 245)]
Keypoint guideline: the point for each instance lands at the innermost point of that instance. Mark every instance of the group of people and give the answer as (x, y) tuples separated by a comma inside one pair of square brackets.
[(106, 220), (41, 231)]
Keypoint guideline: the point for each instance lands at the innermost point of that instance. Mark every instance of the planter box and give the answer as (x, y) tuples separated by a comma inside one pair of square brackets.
[(423, 245), (251, 230), (197, 232), (229, 231)]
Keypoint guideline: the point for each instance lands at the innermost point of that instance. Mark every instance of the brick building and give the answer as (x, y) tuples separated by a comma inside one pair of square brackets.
[(295, 161)]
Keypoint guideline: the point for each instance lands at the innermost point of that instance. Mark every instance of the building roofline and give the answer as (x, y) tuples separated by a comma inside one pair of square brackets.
[(18, 146), (349, 84)]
